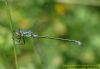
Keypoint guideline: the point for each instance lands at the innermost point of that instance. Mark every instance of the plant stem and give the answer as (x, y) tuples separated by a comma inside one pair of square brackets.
[(11, 27)]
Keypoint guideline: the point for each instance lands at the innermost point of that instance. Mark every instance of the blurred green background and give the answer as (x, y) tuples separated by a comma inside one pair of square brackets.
[(51, 18)]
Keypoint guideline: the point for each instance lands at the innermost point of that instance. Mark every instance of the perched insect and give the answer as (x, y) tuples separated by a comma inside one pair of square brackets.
[(20, 34)]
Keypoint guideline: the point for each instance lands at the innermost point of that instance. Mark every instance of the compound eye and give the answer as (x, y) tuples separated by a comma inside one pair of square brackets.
[(18, 33)]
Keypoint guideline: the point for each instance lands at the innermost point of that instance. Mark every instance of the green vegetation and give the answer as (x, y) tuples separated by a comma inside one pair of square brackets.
[(55, 19)]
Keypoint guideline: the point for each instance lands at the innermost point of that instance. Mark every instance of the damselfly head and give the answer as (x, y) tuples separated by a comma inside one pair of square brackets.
[(19, 39)]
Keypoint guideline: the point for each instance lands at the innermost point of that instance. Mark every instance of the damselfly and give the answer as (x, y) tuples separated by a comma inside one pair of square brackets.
[(20, 34)]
